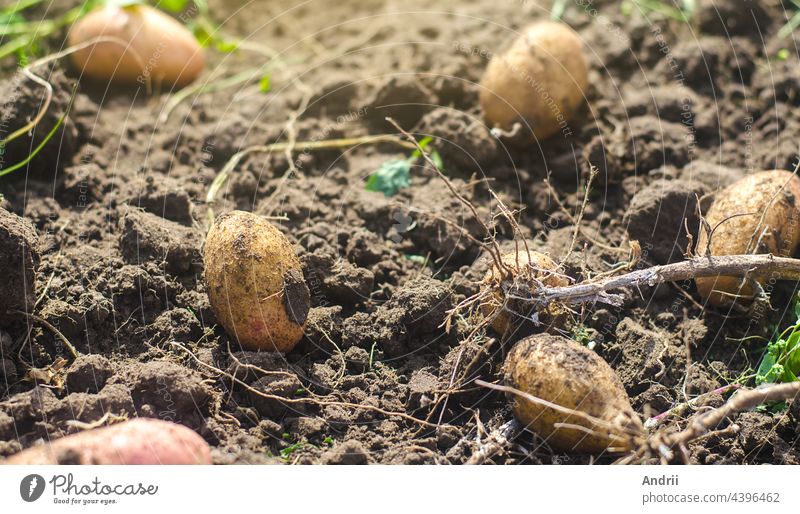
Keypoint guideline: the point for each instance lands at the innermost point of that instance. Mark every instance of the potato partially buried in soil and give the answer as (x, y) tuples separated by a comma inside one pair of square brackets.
[(255, 282), (565, 373), (526, 266), (540, 80), (149, 43), (137, 441), (755, 215)]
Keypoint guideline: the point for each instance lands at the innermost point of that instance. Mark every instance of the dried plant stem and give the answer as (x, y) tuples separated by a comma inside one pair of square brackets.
[(741, 402), (496, 443), (779, 268), (577, 229), (682, 407), (69, 346)]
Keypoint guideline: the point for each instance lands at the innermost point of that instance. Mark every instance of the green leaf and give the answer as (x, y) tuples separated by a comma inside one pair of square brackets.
[(391, 177), (289, 450), (201, 34), (437, 160), (172, 5), (417, 259), (782, 55), (423, 143), (227, 47), (265, 84)]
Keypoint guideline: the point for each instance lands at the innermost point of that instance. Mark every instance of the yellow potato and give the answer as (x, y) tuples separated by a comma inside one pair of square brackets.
[(567, 374), (536, 265), (255, 282), (167, 52), (764, 207), (540, 79)]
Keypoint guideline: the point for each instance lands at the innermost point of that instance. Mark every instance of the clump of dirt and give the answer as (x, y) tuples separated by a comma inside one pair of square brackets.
[(19, 256)]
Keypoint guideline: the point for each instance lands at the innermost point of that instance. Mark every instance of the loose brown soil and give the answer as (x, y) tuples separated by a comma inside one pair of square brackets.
[(674, 111)]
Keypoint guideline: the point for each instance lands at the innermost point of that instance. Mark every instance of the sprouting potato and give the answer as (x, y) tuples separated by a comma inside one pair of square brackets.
[(755, 215), (148, 43), (539, 80), (255, 282), (533, 265), (563, 372)]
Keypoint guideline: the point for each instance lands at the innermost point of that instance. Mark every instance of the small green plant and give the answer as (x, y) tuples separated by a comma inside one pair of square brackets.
[(289, 450), (395, 174), (781, 362), (782, 54), (584, 335)]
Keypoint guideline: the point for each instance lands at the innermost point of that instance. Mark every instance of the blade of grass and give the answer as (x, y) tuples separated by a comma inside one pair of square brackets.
[(41, 145), (790, 26), (558, 10), (19, 7), (668, 10)]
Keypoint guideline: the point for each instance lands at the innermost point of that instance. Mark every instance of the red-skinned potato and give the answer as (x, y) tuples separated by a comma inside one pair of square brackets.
[(255, 283), (756, 214), (138, 441), (540, 79), (563, 372), (167, 52)]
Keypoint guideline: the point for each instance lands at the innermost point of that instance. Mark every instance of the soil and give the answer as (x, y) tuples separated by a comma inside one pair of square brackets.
[(674, 112)]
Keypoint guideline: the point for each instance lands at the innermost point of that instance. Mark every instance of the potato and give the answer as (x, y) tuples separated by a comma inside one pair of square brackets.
[(167, 51), (567, 374), (255, 283), (138, 441), (540, 80), (767, 207), (539, 264)]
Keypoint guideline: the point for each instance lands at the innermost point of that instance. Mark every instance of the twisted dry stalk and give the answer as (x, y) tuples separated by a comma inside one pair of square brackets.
[(743, 401), (590, 291)]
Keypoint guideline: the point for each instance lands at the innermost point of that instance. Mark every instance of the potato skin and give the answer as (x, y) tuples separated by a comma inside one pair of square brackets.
[(138, 441), (775, 213), (518, 261), (255, 282), (168, 51), (563, 372), (540, 79)]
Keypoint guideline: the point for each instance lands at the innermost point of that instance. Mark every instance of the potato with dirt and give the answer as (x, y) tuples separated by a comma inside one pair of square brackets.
[(137, 441), (255, 282), (19, 259), (570, 376), (540, 81), (527, 266), (132, 43), (758, 214)]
